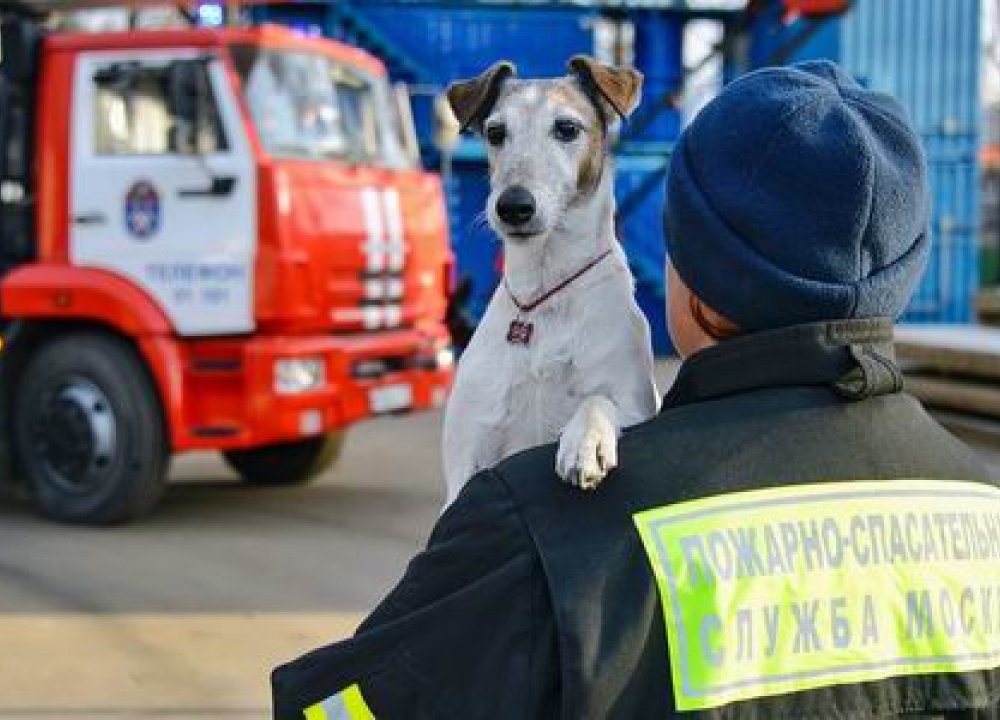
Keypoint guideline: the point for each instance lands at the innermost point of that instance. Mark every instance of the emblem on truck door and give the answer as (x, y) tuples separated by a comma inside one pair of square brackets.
[(142, 210)]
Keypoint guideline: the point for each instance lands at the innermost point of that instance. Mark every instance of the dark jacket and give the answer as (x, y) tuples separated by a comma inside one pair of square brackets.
[(536, 600)]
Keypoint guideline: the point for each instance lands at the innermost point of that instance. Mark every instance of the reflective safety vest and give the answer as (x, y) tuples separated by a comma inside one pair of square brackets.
[(774, 591)]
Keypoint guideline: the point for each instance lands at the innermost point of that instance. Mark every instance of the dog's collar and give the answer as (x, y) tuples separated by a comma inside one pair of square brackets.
[(548, 294)]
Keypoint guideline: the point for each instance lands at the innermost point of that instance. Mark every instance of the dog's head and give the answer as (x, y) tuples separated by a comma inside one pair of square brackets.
[(546, 139)]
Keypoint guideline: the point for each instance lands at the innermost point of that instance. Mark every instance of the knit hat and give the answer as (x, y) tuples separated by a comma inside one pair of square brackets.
[(798, 196)]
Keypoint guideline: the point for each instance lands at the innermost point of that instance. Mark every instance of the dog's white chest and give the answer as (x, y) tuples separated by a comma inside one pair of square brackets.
[(520, 392)]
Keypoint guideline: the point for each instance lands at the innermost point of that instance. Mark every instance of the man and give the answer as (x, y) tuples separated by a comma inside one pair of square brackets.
[(791, 537)]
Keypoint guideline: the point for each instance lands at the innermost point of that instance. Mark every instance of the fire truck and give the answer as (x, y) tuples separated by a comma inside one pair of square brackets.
[(210, 239)]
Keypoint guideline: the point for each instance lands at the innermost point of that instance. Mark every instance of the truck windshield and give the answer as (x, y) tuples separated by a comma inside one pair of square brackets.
[(307, 105)]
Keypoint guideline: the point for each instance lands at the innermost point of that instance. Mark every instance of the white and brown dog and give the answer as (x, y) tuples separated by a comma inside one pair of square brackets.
[(563, 350)]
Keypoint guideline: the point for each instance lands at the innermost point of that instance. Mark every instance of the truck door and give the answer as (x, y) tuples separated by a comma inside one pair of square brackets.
[(163, 187)]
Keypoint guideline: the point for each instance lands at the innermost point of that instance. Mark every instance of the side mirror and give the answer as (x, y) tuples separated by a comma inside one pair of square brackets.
[(18, 40), (189, 94)]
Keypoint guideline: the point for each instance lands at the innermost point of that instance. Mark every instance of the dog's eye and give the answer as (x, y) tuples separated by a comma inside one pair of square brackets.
[(566, 130), (496, 134)]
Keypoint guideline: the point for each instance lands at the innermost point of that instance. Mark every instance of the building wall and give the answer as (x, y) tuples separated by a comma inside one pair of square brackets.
[(927, 54)]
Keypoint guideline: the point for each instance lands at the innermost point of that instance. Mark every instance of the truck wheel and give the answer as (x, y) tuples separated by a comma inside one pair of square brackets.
[(294, 463), (89, 432)]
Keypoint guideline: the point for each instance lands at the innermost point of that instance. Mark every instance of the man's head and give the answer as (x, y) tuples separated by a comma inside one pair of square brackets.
[(545, 138), (798, 196)]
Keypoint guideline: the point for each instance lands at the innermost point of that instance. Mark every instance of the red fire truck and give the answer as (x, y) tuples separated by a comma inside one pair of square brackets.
[(210, 239)]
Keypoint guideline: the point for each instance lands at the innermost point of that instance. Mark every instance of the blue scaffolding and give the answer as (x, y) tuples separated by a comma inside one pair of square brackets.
[(887, 44)]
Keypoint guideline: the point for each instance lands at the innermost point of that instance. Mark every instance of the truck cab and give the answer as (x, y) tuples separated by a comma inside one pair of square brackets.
[(210, 239)]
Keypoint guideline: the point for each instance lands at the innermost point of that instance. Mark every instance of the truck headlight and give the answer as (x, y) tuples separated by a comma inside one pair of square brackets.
[(298, 375)]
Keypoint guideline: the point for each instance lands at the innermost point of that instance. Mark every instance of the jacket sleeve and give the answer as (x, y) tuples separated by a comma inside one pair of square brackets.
[(457, 637)]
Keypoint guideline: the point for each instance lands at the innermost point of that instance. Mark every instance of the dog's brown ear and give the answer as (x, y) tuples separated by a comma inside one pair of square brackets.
[(619, 87), (472, 100)]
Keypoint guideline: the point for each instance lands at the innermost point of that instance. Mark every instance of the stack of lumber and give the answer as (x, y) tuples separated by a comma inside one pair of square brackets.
[(955, 371), (987, 303)]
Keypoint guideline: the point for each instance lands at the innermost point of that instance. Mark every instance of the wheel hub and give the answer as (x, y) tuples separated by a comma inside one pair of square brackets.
[(75, 435)]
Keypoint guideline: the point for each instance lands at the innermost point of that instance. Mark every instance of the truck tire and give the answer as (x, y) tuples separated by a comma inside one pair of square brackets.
[(294, 463), (89, 431)]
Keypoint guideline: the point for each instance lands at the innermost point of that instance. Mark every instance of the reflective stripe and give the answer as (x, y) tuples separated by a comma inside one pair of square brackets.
[(316, 712), (348, 704), (788, 589), (357, 708), (371, 205), (394, 229)]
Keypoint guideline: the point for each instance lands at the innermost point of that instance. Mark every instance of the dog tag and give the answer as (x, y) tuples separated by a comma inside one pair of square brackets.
[(520, 332)]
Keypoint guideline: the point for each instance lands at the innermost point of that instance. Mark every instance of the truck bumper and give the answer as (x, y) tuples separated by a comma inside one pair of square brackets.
[(230, 397)]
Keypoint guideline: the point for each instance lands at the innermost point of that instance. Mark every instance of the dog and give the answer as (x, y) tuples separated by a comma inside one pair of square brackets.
[(563, 351)]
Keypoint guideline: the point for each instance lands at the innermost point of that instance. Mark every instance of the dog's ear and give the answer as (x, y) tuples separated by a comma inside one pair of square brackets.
[(472, 100), (619, 87)]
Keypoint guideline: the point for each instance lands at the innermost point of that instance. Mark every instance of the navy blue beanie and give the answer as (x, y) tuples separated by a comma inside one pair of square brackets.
[(798, 196)]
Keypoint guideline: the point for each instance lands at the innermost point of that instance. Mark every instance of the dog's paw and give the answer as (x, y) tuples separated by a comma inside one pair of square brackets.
[(588, 447)]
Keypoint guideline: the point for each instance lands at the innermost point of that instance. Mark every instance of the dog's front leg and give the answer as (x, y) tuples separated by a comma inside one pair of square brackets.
[(588, 446)]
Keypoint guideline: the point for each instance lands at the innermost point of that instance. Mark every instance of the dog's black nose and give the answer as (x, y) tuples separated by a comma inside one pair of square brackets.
[(516, 205)]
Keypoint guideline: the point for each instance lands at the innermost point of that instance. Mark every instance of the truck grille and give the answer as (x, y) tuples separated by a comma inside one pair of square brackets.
[(382, 297)]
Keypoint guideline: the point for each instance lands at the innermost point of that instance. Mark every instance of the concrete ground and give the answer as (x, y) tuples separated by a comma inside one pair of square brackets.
[(182, 614)]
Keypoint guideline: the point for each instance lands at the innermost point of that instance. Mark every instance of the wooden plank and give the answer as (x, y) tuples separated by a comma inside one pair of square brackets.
[(955, 349), (988, 305), (955, 395)]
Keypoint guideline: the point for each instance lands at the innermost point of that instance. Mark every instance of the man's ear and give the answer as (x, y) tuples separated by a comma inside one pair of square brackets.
[(472, 100), (619, 87)]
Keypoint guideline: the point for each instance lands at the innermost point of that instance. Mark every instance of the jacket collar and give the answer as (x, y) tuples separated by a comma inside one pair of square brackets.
[(855, 358)]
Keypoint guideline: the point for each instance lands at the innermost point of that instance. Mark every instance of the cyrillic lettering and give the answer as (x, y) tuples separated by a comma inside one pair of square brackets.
[(691, 545), (832, 543), (840, 628), (748, 561), (722, 558), (744, 635), (858, 527), (876, 531), (947, 612), (812, 550), (960, 552), (965, 610), (711, 624), (930, 548), (912, 528), (919, 617), (986, 607), (869, 628), (771, 626), (775, 563), (896, 541), (790, 543), (939, 521), (806, 634), (992, 523)]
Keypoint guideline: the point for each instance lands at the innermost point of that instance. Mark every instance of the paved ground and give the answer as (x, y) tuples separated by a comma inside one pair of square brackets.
[(182, 614)]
